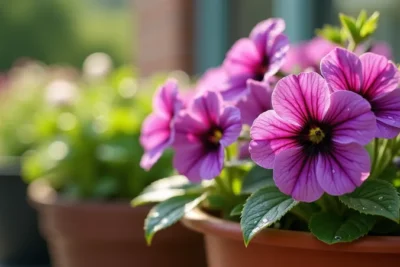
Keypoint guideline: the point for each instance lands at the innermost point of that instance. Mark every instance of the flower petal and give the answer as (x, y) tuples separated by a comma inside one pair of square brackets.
[(243, 57), (212, 164), (379, 75), (192, 161), (351, 118), (342, 70), (387, 112), (235, 87), (155, 137), (231, 125), (257, 101), (166, 97), (344, 169), (270, 134), (277, 49), (294, 174), (211, 80), (187, 129), (301, 98), (188, 160), (207, 107), (383, 49), (266, 30)]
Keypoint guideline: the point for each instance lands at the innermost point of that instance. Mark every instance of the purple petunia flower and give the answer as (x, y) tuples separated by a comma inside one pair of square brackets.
[(257, 57), (202, 133), (313, 139), (371, 76), (257, 101), (157, 129)]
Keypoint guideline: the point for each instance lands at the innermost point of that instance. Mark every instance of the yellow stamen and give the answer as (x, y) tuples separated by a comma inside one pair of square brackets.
[(316, 135), (216, 136)]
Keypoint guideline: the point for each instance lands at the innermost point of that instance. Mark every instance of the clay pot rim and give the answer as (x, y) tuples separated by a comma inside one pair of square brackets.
[(41, 193), (204, 223)]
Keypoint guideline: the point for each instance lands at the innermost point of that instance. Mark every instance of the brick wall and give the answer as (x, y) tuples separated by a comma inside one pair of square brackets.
[(164, 35)]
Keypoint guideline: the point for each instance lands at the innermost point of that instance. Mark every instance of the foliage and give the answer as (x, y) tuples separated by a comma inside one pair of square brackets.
[(87, 140)]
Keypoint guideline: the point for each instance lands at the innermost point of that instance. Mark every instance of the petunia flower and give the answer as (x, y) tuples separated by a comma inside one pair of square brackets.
[(258, 57), (307, 55), (257, 101), (379, 47), (158, 128), (212, 80), (202, 133), (373, 77), (312, 139)]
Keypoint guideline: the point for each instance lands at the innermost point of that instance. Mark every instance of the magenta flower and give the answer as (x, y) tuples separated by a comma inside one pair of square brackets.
[(371, 76), (313, 139), (158, 128), (257, 57), (380, 48), (307, 55), (212, 80), (202, 133), (257, 101)]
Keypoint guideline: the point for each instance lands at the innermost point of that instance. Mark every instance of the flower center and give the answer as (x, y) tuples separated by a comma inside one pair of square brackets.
[(262, 69), (215, 136), (316, 135)]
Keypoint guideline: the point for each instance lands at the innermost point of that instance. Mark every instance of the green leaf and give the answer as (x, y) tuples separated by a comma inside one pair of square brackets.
[(176, 181), (257, 178), (332, 228), (263, 208), (305, 210), (349, 24), (237, 210), (374, 197), (362, 18), (166, 188), (370, 25), (333, 34), (169, 212)]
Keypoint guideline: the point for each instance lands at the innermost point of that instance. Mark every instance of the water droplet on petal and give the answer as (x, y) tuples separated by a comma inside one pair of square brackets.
[(380, 198), (338, 238), (348, 109), (390, 117), (333, 171)]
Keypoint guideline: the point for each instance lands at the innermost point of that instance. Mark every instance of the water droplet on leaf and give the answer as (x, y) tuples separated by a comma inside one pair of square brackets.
[(380, 198), (337, 238)]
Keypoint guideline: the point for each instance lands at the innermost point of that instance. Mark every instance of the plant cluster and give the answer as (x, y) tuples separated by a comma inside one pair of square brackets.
[(298, 138)]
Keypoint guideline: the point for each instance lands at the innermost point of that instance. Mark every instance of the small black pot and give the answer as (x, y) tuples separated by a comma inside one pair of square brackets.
[(20, 241)]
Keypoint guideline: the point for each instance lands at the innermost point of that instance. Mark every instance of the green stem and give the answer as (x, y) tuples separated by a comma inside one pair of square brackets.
[(352, 46), (221, 186), (375, 155)]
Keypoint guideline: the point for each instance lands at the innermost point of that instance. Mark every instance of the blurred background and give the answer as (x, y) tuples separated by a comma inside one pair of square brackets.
[(155, 35)]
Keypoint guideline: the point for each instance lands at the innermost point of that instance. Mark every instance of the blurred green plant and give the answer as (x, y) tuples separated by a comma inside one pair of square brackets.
[(63, 31), (87, 136)]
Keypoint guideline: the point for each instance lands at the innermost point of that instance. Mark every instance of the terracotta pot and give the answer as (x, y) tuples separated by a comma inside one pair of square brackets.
[(279, 248), (102, 234)]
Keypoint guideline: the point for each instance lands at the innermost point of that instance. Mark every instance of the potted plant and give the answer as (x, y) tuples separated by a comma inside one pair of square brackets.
[(20, 241), (88, 155), (301, 163)]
